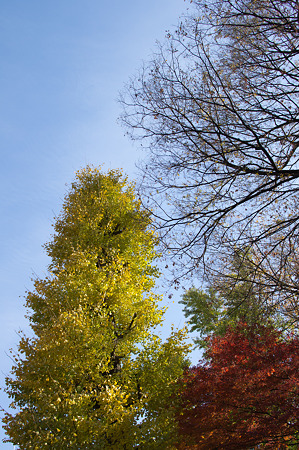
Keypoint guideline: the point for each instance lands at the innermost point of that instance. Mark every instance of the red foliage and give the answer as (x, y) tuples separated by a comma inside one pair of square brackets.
[(246, 394)]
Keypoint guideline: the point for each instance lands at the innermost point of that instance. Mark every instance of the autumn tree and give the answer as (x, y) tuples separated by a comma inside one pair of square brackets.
[(245, 395), (217, 108), (95, 375)]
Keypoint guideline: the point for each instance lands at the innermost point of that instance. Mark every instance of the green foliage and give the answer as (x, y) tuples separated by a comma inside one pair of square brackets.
[(204, 311), (95, 375), (227, 301)]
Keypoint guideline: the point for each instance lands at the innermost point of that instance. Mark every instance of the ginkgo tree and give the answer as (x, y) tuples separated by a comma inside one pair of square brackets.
[(95, 375)]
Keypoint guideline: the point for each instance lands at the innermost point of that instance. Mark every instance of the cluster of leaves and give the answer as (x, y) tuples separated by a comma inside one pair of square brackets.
[(246, 395), (95, 375)]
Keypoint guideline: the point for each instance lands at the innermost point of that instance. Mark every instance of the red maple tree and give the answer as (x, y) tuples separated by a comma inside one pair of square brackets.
[(245, 395)]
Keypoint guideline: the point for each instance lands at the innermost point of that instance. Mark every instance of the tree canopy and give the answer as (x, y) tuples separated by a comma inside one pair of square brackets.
[(217, 108), (245, 394), (95, 375)]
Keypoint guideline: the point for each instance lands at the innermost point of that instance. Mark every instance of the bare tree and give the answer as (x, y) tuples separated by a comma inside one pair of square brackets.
[(218, 110)]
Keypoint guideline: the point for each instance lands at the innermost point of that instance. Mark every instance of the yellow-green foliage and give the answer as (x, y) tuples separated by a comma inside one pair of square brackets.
[(95, 375)]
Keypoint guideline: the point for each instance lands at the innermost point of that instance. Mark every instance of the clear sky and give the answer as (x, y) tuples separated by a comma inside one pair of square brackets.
[(62, 66)]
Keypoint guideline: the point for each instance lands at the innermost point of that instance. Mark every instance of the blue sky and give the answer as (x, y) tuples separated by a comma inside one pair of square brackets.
[(62, 66)]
